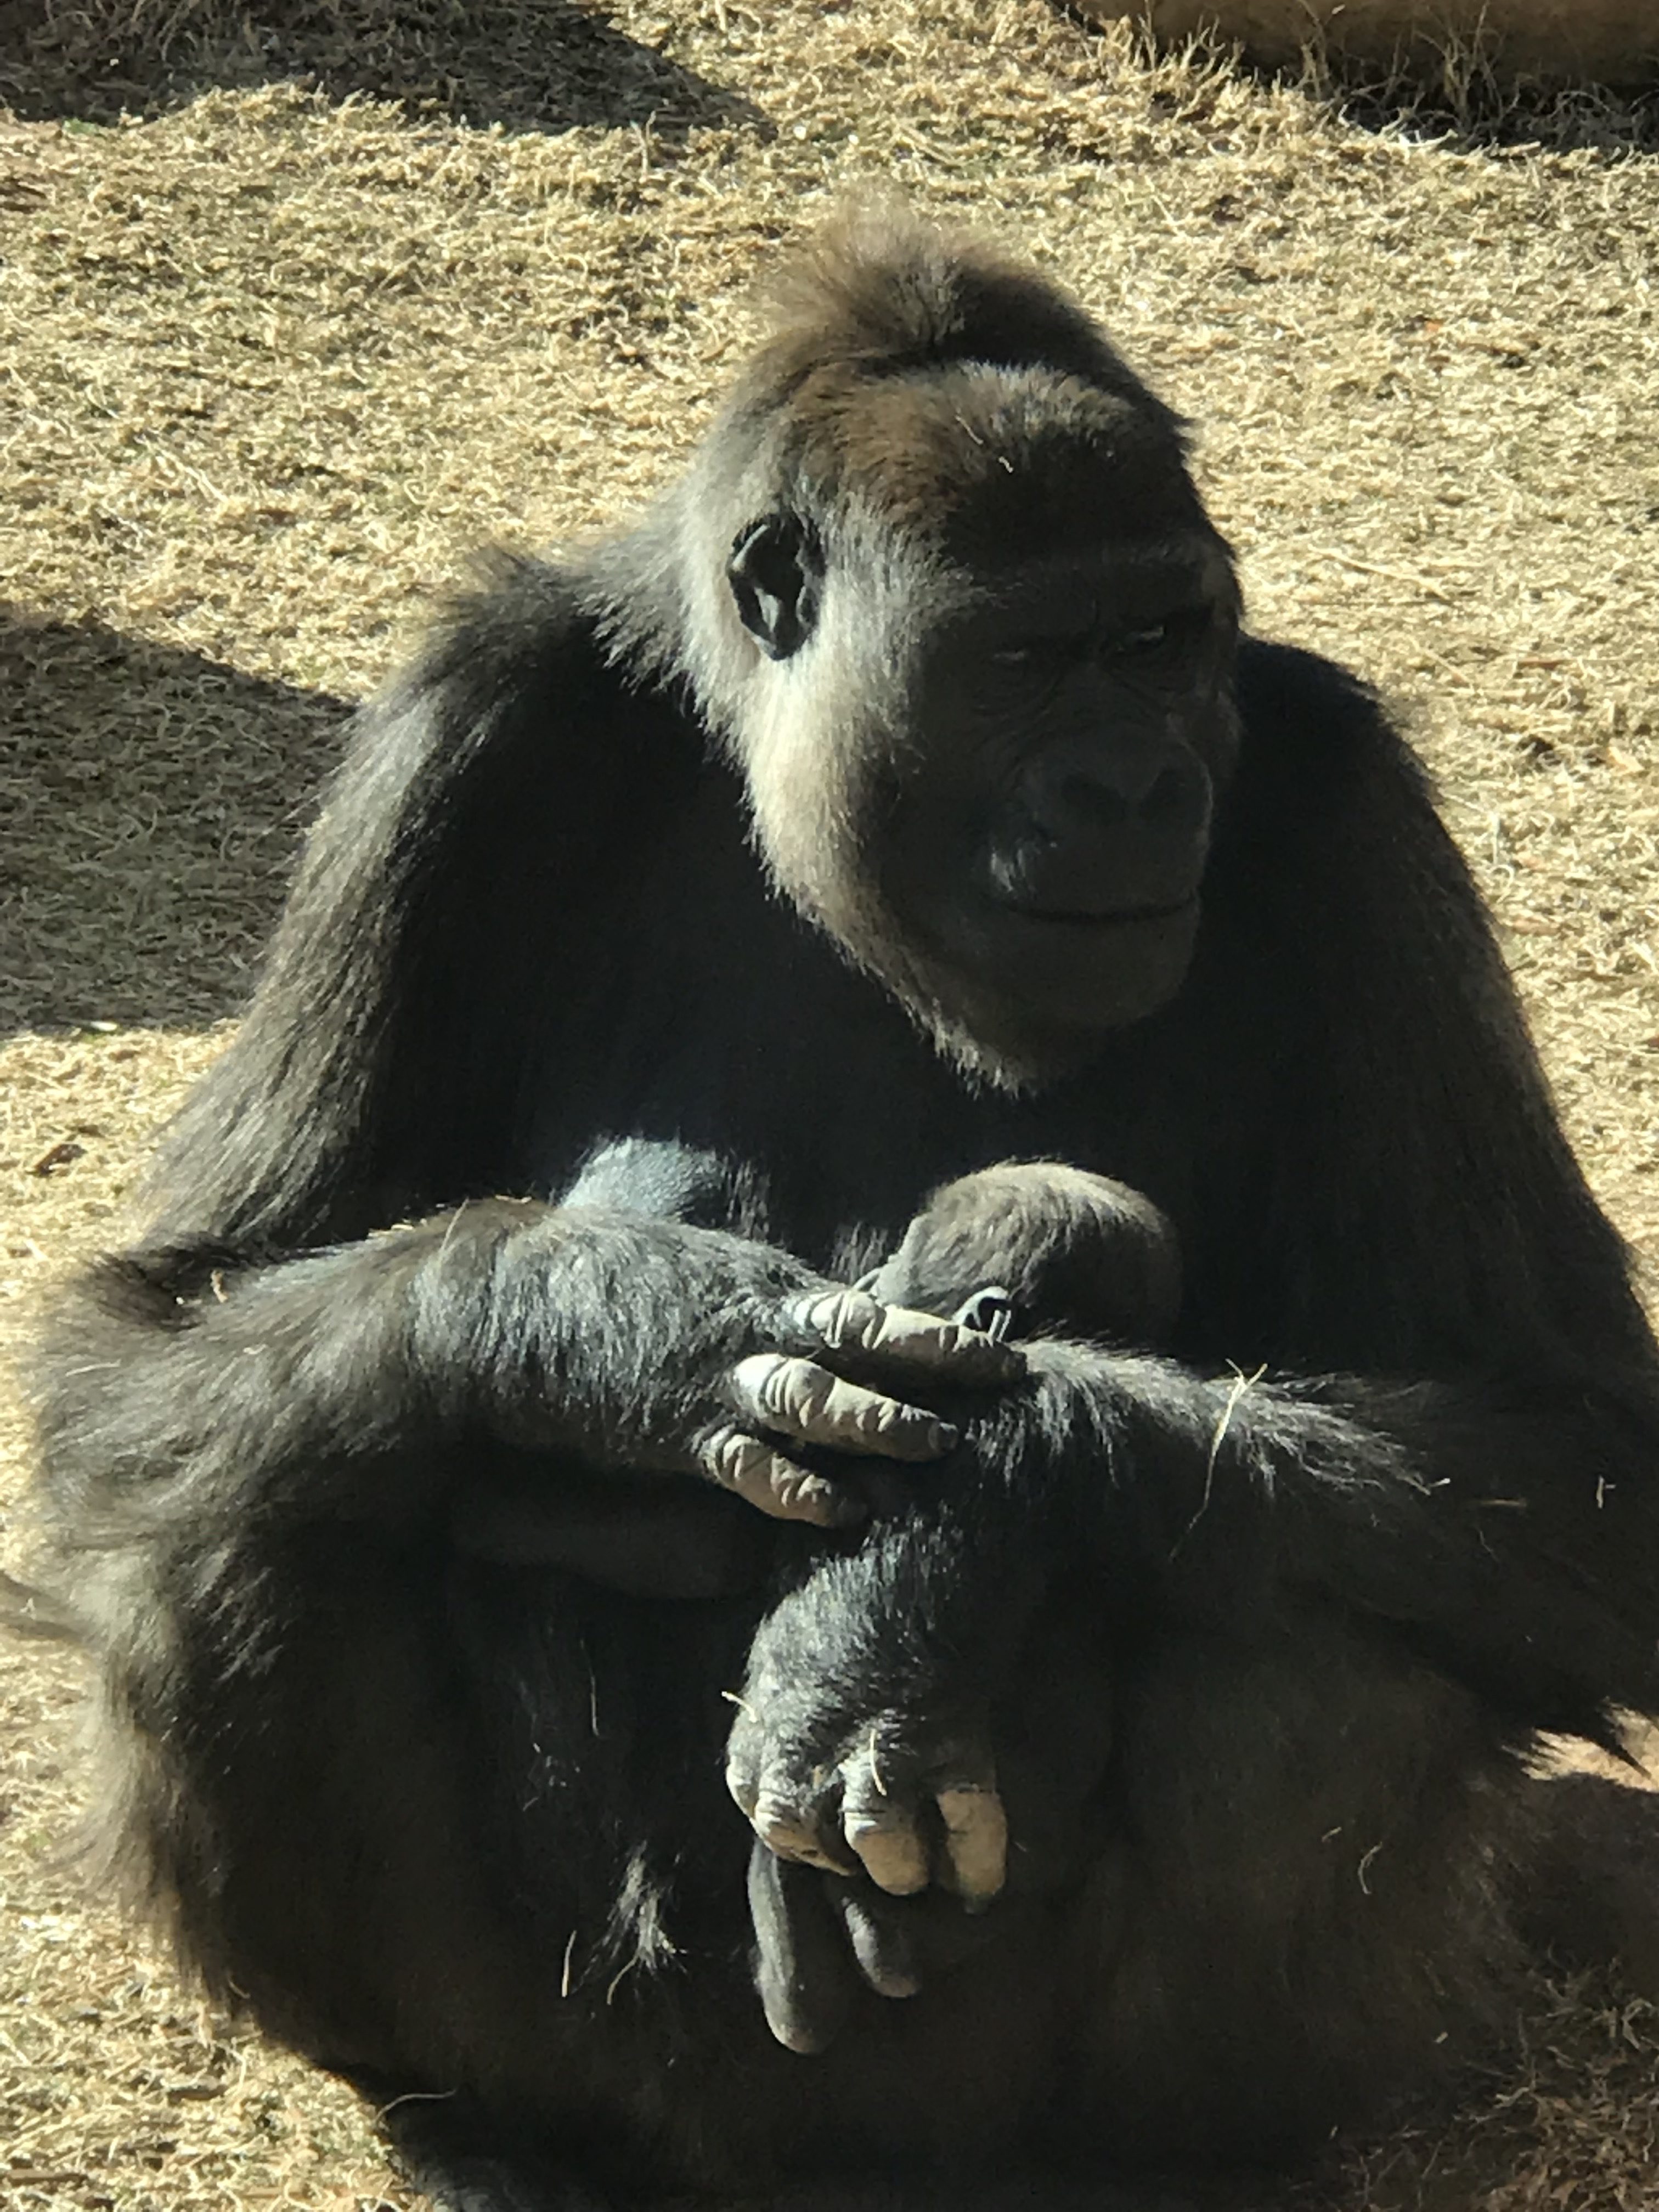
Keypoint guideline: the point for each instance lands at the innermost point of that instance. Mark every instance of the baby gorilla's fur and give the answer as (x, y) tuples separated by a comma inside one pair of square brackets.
[(1038, 1246)]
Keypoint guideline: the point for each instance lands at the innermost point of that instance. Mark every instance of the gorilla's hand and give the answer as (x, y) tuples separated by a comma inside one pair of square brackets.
[(869, 1842), (805, 1397), (818, 1936), (906, 1797), (658, 1346)]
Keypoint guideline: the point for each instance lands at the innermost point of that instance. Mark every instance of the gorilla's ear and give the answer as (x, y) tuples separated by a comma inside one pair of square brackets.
[(776, 571)]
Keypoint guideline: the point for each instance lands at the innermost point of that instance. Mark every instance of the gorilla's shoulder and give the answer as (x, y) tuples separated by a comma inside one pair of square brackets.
[(1313, 720), (512, 607), (1285, 688)]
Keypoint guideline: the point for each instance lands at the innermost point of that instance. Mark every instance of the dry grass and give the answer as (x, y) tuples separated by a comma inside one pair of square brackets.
[(272, 358)]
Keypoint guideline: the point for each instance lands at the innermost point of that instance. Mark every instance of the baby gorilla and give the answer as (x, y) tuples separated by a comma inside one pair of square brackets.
[(1036, 1246), (1020, 1247)]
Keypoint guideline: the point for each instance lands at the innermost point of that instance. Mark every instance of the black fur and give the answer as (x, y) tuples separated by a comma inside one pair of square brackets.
[(427, 1772)]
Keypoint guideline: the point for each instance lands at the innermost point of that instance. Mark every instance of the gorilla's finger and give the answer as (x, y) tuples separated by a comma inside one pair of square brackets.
[(882, 1827), (811, 1405), (802, 1971), (790, 1833), (852, 1322), (976, 1840), (795, 1821), (774, 1485), (893, 1850), (882, 1948)]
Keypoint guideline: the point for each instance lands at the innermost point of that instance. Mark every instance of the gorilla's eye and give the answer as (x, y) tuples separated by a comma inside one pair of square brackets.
[(1040, 653), (1163, 640)]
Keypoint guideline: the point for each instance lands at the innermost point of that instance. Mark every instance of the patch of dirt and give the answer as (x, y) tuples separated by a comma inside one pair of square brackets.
[(278, 350)]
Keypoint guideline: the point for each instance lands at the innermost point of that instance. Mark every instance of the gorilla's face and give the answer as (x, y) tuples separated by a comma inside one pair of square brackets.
[(992, 777), (1073, 727)]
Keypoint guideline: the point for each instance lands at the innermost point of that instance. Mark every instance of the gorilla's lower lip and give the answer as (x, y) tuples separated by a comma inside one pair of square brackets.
[(1116, 917)]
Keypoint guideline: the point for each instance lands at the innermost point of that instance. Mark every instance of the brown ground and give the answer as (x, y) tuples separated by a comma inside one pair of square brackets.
[(273, 356)]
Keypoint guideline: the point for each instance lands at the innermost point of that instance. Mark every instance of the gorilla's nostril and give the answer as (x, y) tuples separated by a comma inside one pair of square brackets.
[(1172, 799), (1089, 800)]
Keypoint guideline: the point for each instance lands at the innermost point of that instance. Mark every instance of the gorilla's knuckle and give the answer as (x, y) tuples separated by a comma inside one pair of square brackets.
[(752, 1379), (730, 1456), (743, 1786), (783, 1824), (864, 1414), (795, 1490), (808, 1391), (877, 1777), (893, 1853), (902, 1330), (845, 1319)]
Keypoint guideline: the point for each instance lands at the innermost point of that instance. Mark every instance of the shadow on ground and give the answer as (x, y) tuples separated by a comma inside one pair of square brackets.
[(547, 67), (151, 805)]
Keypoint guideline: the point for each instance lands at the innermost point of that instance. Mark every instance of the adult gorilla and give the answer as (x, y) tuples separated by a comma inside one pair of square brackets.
[(895, 798)]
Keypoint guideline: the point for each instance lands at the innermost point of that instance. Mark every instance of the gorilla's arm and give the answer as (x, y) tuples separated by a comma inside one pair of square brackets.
[(378, 1381), (934, 1709), (275, 1352), (1505, 1535), (893, 1718)]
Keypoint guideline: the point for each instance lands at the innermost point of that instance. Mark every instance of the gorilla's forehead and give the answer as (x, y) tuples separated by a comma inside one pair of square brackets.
[(1068, 582), (984, 461)]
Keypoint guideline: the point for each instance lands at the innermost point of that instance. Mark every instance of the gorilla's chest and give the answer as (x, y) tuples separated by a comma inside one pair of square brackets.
[(802, 1110), (709, 1054)]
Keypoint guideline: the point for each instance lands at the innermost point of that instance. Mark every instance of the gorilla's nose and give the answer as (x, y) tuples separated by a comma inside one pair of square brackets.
[(1106, 827), (1149, 784)]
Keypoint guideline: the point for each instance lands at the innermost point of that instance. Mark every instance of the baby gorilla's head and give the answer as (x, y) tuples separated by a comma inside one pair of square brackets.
[(1074, 1254)]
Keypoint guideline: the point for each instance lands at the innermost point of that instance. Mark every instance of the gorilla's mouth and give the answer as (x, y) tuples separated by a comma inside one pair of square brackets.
[(1070, 969), (1092, 918)]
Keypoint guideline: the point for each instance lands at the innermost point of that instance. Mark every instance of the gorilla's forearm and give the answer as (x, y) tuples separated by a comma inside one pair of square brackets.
[(356, 1381), (1502, 1528), (1113, 1502), (1501, 1534)]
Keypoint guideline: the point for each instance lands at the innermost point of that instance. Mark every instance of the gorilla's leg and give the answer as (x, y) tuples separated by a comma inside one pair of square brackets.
[(1310, 1901), (457, 2176), (462, 2162), (1596, 1900), (1291, 1872)]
